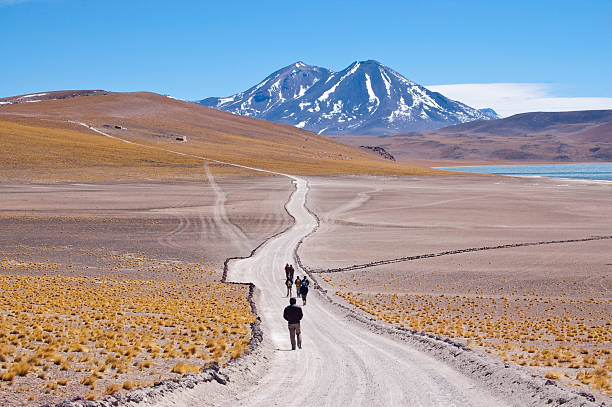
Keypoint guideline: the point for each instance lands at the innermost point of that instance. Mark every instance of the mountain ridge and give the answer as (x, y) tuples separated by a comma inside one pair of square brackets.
[(366, 97), (535, 137)]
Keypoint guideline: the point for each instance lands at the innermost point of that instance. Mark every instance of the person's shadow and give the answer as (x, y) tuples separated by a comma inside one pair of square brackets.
[(284, 350)]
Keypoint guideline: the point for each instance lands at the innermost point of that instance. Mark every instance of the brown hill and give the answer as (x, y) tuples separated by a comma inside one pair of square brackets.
[(39, 140), (582, 136)]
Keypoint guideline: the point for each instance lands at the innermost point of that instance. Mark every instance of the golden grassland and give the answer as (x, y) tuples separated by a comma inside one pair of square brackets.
[(42, 151), (306, 156), (71, 329), (38, 143), (565, 338)]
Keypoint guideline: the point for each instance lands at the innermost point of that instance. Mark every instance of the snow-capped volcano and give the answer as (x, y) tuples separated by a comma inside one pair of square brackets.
[(365, 98)]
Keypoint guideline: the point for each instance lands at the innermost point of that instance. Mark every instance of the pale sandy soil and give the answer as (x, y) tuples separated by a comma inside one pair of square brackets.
[(399, 217), (343, 361), (116, 239), (547, 290), (180, 220)]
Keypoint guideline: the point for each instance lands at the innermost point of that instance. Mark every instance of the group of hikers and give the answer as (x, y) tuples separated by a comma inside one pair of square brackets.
[(293, 313), (301, 285)]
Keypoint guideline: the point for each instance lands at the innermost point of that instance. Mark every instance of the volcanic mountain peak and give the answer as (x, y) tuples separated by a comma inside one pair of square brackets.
[(366, 97)]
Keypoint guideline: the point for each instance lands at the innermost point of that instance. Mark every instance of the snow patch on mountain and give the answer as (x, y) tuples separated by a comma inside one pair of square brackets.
[(371, 95), (386, 81), (331, 90), (365, 98)]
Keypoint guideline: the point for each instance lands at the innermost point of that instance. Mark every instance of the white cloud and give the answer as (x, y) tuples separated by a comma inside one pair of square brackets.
[(512, 98)]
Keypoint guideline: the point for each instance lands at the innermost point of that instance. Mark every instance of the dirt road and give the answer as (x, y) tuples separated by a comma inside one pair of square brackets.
[(341, 363)]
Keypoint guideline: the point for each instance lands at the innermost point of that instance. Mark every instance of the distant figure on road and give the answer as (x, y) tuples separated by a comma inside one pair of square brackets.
[(304, 289), (297, 285), (293, 316), (289, 271), (289, 284)]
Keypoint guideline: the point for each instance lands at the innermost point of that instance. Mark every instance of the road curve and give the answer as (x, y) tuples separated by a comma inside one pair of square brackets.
[(341, 363)]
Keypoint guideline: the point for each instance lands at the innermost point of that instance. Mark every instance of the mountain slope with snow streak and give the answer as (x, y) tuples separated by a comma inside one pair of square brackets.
[(365, 98), (286, 84)]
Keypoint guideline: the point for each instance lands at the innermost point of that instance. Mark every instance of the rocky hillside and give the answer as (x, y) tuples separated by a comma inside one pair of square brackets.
[(581, 136)]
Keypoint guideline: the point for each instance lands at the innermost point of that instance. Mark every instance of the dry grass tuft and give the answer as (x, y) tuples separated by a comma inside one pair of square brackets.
[(182, 368), (554, 375), (112, 389), (599, 379)]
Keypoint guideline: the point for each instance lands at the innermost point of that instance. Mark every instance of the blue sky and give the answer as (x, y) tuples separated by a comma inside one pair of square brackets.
[(196, 49)]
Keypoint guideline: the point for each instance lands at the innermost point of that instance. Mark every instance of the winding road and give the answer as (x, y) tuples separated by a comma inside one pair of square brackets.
[(341, 362)]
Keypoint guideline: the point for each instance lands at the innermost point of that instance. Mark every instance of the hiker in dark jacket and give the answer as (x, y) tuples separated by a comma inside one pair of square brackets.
[(304, 289), (288, 272), (293, 316), (289, 284), (291, 271)]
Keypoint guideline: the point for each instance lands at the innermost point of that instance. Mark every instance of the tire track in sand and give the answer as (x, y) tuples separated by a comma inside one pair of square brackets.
[(238, 237), (221, 220), (459, 251)]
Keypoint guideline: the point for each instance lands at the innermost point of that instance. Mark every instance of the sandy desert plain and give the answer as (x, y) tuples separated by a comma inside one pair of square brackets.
[(102, 283), (112, 270), (115, 286), (544, 304)]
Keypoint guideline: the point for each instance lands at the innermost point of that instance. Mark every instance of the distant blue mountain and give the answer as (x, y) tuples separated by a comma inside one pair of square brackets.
[(490, 113), (365, 98)]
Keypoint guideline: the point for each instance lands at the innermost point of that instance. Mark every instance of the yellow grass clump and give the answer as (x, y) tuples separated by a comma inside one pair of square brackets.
[(599, 379), (183, 367), (554, 375)]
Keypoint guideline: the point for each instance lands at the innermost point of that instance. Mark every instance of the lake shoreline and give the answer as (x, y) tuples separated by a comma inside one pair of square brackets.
[(586, 172)]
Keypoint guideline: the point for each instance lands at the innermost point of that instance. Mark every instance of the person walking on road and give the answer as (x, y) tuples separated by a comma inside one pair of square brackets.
[(297, 285), (293, 315), (289, 284), (288, 273), (304, 289)]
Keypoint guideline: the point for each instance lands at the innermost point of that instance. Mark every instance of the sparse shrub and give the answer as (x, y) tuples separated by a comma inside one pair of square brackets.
[(112, 389), (554, 375), (182, 368)]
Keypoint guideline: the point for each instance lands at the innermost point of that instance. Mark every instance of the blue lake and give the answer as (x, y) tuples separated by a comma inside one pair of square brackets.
[(598, 171)]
